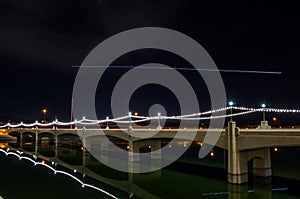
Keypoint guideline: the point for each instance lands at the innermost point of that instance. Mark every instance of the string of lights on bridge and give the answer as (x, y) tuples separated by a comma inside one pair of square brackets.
[(20, 155), (128, 119)]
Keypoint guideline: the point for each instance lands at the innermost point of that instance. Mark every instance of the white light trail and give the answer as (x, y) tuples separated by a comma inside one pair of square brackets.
[(18, 154), (184, 69)]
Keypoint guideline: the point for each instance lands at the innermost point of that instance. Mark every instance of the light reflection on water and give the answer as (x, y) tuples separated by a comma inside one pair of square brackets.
[(186, 178)]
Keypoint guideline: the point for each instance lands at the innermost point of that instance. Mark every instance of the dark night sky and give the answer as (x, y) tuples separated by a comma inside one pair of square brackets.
[(40, 41)]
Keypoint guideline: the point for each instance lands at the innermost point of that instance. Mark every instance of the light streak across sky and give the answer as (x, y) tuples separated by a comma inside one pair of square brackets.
[(186, 69)]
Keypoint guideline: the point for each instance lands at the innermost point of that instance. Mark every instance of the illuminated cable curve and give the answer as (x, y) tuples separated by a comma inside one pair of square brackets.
[(122, 120), (18, 155)]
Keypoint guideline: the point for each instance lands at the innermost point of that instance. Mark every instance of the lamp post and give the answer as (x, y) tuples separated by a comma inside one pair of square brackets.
[(264, 122), (107, 127), (159, 126), (44, 113), (130, 114), (264, 114), (230, 104)]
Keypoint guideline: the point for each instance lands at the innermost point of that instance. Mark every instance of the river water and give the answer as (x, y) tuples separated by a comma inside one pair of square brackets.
[(188, 177)]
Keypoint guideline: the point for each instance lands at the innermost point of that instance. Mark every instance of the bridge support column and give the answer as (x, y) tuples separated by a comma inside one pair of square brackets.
[(21, 139), (262, 165), (36, 142), (85, 149), (104, 150), (237, 163), (156, 159), (56, 145), (86, 156), (140, 161), (156, 153), (133, 157)]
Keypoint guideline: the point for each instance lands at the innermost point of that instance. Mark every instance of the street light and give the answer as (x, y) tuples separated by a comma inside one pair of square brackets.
[(230, 104), (264, 114), (130, 114), (107, 127), (274, 120), (44, 113)]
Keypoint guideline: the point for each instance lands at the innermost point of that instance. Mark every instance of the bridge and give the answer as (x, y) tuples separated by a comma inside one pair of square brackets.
[(242, 145)]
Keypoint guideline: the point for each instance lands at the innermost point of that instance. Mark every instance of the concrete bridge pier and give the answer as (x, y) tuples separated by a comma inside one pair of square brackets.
[(56, 145), (36, 142), (104, 150), (86, 156), (262, 164), (237, 164), (238, 160), (156, 156), (133, 157), (99, 147), (137, 161), (21, 139)]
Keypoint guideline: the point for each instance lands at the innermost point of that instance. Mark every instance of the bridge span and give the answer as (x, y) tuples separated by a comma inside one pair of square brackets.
[(242, 145)]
